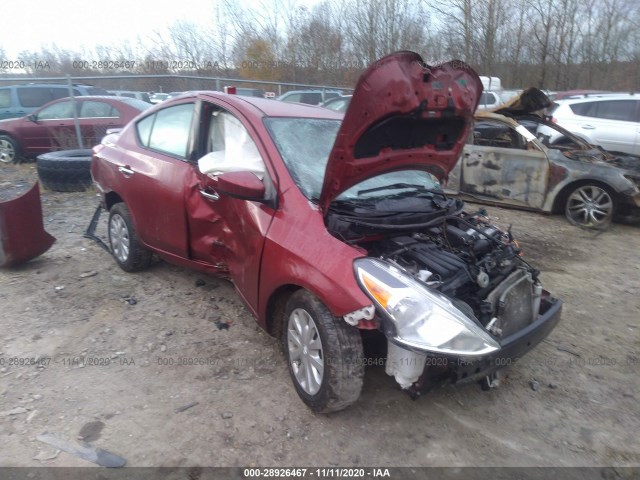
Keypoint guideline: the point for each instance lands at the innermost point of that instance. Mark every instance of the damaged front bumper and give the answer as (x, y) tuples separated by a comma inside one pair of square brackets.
[(441, 369), (629, 205)]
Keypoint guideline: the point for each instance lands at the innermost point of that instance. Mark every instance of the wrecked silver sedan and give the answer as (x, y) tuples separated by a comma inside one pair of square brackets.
[(506, 163)]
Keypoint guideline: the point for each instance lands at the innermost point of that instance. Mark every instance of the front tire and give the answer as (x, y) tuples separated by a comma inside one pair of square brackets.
[(324, 354), (590, 206), (9, 149), (126, 248)]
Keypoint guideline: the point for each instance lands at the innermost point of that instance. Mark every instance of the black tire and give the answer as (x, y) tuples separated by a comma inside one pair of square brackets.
[(340, 352), (590, 205), (66, 170), (9, 149), (133, 256)]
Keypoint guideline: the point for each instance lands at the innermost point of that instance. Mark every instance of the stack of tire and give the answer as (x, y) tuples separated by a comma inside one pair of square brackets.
[(66, 170)]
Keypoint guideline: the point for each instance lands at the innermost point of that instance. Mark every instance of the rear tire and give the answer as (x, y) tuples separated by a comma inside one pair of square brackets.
[(66, 170), (126, 248), (9, 149), (324, 354)]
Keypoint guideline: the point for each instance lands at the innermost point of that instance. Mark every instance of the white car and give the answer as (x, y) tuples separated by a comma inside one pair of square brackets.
[(489, 100), (611, 121)]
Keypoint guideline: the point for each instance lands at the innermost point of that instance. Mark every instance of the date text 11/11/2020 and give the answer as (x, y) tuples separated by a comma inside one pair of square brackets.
[(329, 472)]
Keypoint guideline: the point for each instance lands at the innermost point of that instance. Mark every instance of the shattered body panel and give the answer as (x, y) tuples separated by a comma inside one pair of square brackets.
[(527, 173), (22, 233), (250, 243)]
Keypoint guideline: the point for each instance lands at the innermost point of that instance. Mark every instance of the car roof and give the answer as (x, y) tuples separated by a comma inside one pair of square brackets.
[(598, 96), (313, 90), (84, 98), (269, 107), (58, 85)]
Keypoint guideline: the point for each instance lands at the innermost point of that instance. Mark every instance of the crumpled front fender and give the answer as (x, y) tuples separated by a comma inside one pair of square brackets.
[(22, 233)]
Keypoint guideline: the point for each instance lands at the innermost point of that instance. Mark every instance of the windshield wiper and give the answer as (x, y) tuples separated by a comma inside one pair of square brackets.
[(397, 186)]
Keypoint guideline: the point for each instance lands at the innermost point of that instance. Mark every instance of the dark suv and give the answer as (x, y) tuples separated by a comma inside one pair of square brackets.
[(20, 100)]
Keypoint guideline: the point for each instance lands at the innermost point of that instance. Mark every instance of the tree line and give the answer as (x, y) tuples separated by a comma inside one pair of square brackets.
[(552, 44)]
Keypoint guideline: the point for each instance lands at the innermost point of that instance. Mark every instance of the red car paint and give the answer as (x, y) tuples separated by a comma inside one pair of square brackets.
[(35, 136), (22, 234), (267, 247)]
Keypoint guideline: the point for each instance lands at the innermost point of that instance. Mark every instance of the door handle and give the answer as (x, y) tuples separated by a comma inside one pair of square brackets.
[(210, 195), (126, 171), (588, 127)]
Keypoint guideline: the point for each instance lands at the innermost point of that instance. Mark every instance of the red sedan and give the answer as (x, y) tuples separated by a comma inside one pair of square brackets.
[(52, 127), (330, 226)]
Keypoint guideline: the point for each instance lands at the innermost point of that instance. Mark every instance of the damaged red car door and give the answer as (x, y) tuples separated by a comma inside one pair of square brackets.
[(229, 208)]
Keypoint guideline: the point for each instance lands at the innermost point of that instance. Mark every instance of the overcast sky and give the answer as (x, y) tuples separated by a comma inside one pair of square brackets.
[(74, 24)]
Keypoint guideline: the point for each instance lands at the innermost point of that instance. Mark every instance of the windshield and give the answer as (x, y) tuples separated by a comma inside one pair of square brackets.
[(305, 144)]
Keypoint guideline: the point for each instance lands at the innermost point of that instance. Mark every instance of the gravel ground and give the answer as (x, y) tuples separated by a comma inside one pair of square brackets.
[(110, 345)]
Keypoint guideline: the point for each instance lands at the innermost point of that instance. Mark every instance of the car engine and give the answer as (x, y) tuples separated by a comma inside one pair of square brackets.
[(469, 260), (473, 262)]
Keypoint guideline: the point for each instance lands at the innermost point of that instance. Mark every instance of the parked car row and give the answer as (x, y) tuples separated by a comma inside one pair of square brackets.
[(508, 160), (52, 126), (20, 100)]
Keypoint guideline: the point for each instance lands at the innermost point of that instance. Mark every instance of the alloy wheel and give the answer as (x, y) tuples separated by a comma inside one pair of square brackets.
[(7, 152), (305, 351), (119, 237), (589, 206)]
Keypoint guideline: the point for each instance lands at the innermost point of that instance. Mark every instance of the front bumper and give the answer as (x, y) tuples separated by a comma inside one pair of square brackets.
[(628, 207), (442, 369)]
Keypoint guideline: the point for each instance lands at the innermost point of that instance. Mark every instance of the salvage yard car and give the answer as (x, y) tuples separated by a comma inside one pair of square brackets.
[(52, 126), (328, 227), (510, 160)]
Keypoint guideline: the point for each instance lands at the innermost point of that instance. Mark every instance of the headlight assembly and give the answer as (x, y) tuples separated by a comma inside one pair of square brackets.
[(423, 319)]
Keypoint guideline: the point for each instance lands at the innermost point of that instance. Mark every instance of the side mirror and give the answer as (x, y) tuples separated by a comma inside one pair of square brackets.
[(242, 185), (32, 118)]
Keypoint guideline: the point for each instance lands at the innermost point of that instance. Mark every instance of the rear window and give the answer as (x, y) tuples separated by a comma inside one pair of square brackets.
[(5, 98), (95, 109), (295, 97), (97, 91), (487, 99), (57, 93), (34, 96), (167, 130), (622, 110), (137, 104), (312, 98)]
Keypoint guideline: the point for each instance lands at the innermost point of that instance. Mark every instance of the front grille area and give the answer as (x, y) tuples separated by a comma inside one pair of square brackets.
[(512, 302)]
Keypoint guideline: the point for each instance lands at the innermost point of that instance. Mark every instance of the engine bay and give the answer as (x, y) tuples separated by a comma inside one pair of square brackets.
[(463, 256)]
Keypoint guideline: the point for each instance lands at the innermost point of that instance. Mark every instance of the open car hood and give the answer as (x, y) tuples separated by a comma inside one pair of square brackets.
[(529, 102), (403, 115)]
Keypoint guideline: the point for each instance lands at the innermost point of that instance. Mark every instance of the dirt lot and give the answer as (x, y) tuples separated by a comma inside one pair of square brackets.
[(571, 402)]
